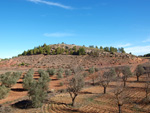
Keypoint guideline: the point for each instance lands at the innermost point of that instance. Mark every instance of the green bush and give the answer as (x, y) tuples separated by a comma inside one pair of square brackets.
[(27, 81), (59, 75), (91, 70), (81, 51), (3, 91), (51, 71), (96, 69), (31, 71), (44, 80), (37, 90), (8, 79), (60, 70), (40, 71), (37, 94), (68, 72), (61, 83)]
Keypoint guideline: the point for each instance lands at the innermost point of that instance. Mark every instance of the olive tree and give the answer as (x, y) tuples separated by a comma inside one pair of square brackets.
[(68, 72), (8, 79), (118, 71), (77, 69), (38, 89), (51, 71), (139, 71), (3, 91), (93, 76), (91, 70), (74, 86), (36, 94), (106, 78), (60, 70), (28, 80), (119, 95), (126, 74)]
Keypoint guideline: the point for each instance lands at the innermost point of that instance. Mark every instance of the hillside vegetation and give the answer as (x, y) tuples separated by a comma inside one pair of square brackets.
[(69, 50)]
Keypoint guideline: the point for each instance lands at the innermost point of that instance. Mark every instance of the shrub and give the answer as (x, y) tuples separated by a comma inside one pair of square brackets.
[(31, 71), (91, 70), (8, 79), (96, 69), (78, 69), (44, 80), (36, 94), (27, 81), (81, 51), (61, 83), (68, 72), (85, 74), (59, 75), (60, 70), (51, 71), (38, 89), (40, 71)]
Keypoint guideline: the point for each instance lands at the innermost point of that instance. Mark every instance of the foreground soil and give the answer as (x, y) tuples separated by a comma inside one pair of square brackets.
[(92, 100)]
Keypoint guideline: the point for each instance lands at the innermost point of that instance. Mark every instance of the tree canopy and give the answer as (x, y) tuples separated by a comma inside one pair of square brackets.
[(48, 50)]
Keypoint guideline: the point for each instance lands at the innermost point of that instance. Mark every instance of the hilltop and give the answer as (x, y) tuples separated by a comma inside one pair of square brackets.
[(67, 56), (66, 49)]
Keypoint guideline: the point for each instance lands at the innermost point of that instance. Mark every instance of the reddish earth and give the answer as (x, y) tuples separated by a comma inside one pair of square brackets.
[(23, 63), (91, 100)]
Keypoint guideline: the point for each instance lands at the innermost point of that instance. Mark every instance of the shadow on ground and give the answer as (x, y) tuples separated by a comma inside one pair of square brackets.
[(18, 89), (24, 104)]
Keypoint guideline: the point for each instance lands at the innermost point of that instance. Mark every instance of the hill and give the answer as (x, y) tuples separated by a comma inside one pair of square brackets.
[(91, 57)]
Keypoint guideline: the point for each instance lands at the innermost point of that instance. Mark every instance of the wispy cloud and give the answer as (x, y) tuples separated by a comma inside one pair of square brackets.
[(138, 50), (58, 34), (124, 45), (51, 3), (147, 40)]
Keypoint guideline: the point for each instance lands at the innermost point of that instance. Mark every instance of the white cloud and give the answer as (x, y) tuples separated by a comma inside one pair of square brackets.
[(124, 45), (51, 3), (147, 40), (138, 50), (58, 34)]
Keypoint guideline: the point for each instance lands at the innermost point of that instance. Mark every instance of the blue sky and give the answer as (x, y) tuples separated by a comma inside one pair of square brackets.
[(25, 24)]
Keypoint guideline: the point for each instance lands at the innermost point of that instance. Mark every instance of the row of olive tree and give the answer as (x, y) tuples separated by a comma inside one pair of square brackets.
[(120, 74), (37, 90)]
